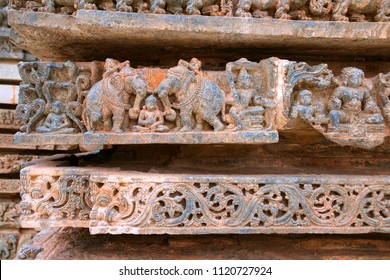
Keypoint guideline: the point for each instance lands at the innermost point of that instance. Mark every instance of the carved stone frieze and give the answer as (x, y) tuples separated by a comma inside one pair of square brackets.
[(345, 108), (9, 214), (9, 185), (60, 199), (9, 120), (8, 245), (13, 163), (109, 201), (338, 10), (113, 103)]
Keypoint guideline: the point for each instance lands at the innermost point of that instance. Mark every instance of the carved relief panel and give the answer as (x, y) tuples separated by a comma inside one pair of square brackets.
[(247, 103)]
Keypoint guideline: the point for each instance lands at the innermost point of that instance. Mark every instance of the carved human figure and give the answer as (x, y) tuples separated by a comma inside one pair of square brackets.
[(57, 121), (195, 94), (7, 246), (303, 106), (12, 213), (244, 95), (351, 101), (150, 118)]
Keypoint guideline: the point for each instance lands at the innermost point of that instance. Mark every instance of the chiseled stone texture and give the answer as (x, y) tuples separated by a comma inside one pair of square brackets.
[(110, 201), (78, 244), (62, 37)]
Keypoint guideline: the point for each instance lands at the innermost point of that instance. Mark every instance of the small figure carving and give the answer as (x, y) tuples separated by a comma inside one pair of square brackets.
[(8, 243), (196, 95), (151, 119), (303, 106), (351, 102), (246, 111), (57, 121), (384, 87), (357, 10)]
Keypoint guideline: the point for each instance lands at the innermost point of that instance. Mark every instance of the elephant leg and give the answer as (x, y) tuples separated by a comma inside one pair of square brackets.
[(199, 122), (185, 115), (139, 96), (107, 124), (118, 117), (214, 122)]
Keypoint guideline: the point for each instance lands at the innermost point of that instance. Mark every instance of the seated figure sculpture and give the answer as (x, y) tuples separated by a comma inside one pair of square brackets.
[(151, 119), (241, 113), (303, 106), (351, 102), (57, 121)]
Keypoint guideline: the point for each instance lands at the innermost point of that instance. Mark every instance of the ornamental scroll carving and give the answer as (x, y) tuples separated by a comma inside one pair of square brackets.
[(337, 10), (193, 203), (247, 103), (60, 198)]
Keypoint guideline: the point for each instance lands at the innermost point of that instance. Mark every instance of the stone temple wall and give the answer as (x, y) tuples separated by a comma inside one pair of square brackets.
[(263, 132)]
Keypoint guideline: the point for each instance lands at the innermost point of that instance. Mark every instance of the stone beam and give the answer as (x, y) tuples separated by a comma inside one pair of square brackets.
[(62, 37), (55, 194)]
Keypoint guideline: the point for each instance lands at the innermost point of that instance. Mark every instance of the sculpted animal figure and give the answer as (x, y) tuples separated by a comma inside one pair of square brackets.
[(209, 7), (283, 9), (109, 97), (195, 94), (357, 10)]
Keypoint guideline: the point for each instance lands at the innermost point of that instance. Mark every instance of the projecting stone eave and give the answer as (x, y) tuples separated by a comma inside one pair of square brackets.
[(94, 35)]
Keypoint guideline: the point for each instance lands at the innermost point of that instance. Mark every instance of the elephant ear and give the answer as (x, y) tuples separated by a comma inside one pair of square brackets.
[(115, 84)]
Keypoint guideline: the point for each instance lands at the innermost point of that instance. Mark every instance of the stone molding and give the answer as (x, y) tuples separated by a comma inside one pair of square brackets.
[(112, 103), (116, 202)]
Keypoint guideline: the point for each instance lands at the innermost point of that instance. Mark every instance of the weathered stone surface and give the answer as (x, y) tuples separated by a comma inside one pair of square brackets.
[(9, 214), (78, 244), (78, 103), (8, 244), (9, 120), (9, 72), (12, 163), (116, 202), (9, 186), (9, 94), (58, 37), (338, 10)]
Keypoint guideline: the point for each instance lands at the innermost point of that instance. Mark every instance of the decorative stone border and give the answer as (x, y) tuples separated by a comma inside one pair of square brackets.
[(115, 202)]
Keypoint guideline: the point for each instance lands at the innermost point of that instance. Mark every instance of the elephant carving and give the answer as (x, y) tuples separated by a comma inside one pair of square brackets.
[(108, 99), (357, 10), (195, 94)]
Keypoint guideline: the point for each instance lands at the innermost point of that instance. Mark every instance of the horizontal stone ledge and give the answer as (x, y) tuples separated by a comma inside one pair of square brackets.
[(7, 142), (110, 200), (63, 37), (9, 94), (224, 137)]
